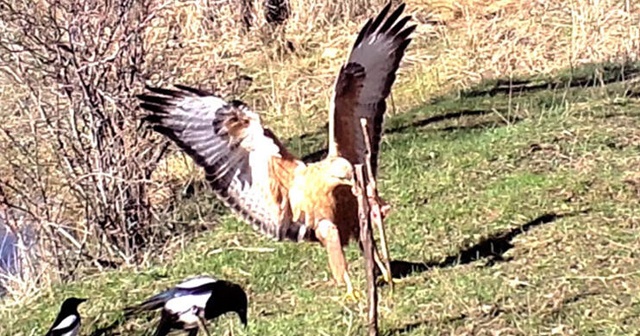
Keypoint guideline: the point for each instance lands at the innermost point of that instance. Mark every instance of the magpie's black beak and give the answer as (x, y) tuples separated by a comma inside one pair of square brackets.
[(243, 317), (78, 301)]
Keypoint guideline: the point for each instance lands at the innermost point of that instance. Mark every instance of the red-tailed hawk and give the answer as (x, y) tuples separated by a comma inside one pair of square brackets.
[(251, 171)]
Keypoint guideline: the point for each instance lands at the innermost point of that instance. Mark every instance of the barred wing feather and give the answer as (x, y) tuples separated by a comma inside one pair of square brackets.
[(229, 142)]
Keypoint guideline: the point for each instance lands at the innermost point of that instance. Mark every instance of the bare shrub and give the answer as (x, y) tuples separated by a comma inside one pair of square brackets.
[(72, 155)]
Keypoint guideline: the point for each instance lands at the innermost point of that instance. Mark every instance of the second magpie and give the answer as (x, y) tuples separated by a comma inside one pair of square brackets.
[(67, 323)]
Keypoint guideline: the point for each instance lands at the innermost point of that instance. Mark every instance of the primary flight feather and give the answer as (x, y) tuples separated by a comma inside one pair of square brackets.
[(252, 172)]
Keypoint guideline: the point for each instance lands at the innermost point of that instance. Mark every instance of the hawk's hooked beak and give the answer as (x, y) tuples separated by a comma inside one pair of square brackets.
[(353, 185), (349, 181)]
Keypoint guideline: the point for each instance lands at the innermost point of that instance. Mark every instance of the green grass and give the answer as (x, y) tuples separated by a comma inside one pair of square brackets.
[(464, 175)]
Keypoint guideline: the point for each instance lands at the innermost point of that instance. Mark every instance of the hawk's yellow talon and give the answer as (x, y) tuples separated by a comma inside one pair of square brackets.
[(351, 295), (386, 275), (392, 281)]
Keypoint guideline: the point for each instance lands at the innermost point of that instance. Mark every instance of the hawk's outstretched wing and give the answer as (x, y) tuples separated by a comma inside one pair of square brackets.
[(363, 84), (240, 159)]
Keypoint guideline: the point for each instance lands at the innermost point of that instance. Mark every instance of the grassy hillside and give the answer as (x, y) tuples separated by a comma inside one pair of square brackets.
[(515, 210), (514, 202)]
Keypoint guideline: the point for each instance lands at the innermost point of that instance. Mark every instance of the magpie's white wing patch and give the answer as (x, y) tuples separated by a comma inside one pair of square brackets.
[(66, 322), (184, 306), (73, 332), (196, 282), (185, 303)]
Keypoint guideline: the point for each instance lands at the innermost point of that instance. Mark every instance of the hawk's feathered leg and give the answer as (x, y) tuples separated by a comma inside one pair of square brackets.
[(312, 198), (329, 237)]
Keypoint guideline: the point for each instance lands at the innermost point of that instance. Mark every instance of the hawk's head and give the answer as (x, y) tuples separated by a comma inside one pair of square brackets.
[(340, 172)]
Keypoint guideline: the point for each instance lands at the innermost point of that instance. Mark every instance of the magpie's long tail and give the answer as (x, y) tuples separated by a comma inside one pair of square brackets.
[(152, 303), (164, 326)]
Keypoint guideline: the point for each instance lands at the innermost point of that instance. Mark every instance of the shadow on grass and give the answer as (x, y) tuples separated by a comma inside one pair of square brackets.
[(411, 326), (320, 154), (586, 76), (511, 120), (108, 330), (589, 75), (492, 248), (455, 115), (496, 310)]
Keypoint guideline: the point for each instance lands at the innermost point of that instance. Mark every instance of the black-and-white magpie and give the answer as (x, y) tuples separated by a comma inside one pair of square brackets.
[(190, 304), (67, 322)]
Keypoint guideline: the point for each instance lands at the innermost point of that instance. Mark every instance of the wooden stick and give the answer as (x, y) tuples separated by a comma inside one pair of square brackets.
[(202, 324), (366, 238), (376, 212)]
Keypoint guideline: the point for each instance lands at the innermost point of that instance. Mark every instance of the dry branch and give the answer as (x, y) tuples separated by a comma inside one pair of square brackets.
[(369, 211), (376, 212), (366, 239)]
